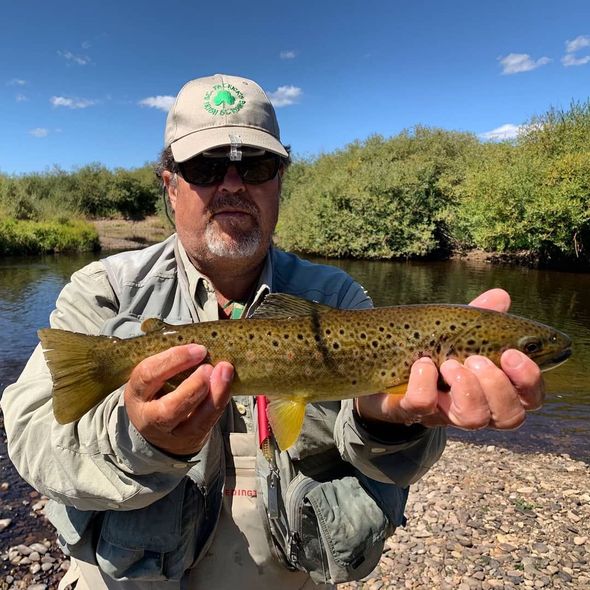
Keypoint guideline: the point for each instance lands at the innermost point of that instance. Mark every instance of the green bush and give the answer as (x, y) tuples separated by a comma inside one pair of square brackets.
[(377, 199), (36, 237)]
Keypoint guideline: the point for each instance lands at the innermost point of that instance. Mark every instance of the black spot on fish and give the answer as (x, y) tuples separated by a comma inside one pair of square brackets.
[(406, 326), (335, 345), (381, 329), (375, 343), (328, 331), (180, 338), (275, 343), (452, 327), (363, 335), (417, 335), (213, 334), (341, 332), (299, 336)]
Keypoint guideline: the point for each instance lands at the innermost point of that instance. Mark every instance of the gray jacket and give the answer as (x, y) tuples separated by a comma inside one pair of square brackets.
[(141, 514)]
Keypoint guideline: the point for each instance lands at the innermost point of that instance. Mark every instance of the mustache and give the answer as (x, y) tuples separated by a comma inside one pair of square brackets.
[(233, 202)]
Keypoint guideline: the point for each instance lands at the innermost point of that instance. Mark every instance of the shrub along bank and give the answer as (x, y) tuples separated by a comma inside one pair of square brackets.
[(427, 191)]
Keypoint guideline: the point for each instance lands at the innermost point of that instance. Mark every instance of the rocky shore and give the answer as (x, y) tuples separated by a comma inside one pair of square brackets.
[(484, 518)]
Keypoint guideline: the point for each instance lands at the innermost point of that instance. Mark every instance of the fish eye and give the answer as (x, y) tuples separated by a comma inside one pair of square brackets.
[(531, 345)]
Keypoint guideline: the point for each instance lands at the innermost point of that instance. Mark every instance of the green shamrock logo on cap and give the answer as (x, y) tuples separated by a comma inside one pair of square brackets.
[(223, 99), (224, 96)]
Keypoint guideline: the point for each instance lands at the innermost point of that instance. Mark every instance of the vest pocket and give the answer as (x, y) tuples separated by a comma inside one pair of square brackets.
[(161, 541), (337, 529)]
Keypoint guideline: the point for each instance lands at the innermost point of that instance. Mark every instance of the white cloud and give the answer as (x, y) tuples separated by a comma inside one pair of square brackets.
[(571, 47), (285, 95), (515, 63), (16, 82), (571, 60), (81, 60), (39, 132), (164, 103), (507, 131), (578, 43), (71, 103), (86, 45), (288, 54), (21, 98)]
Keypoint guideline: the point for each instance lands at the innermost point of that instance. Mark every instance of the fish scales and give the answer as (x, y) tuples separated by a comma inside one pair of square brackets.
[(298, 352)]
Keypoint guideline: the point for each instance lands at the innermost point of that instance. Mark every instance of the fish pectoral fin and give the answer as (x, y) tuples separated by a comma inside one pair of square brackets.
[(155, 325), (286, 420)]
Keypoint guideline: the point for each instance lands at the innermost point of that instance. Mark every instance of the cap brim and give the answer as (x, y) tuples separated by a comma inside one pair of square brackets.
[(200, 141)]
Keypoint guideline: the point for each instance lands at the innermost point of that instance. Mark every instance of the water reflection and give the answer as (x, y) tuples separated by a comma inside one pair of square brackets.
[(29, 287)]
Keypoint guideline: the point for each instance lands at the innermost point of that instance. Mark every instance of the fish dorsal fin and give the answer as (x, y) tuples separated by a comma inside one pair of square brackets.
[(155, 325), (286, 420), (282, 306)]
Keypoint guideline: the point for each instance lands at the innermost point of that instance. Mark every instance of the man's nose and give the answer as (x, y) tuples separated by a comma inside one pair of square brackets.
[(232, 181)]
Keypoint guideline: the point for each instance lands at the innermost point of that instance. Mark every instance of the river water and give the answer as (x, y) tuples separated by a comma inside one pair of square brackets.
[(29, 287)]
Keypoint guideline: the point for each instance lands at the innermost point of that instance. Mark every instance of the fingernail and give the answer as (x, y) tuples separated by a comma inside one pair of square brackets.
[(513, 359), (478, 362), (425, 359), (197, 352), (451, 364), (227, 374)]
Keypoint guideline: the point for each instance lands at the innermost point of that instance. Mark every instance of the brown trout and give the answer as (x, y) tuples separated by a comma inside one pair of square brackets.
[(297, 352)]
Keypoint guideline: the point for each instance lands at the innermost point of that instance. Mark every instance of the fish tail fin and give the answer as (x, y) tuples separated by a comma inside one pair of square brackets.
[(82, 376), (286, 420)]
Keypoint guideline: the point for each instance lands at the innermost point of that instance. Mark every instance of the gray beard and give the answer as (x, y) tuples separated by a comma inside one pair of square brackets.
[(243, 247)]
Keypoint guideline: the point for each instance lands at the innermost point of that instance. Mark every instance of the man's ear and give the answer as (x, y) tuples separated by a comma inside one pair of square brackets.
[(170, 181)]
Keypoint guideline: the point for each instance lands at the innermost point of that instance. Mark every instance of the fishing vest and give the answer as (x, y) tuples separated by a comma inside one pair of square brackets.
[(322, 516)]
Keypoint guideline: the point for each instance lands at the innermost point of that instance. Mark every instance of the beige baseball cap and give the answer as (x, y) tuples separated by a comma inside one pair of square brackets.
[(221, 110)]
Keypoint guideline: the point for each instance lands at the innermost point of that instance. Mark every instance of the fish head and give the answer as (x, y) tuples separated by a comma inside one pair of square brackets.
[(543, 344), (549, 347)]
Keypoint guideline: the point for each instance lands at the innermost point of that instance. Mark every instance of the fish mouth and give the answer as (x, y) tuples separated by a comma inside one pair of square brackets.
[(556, 360)]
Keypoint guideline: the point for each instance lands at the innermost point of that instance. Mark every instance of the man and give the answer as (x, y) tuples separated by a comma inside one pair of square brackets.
[(169, 489)]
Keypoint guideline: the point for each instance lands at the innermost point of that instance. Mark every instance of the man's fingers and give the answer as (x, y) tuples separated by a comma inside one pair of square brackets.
[(150, 375), (505, 407), (420, 399), (209, 409), (496, 299), (174, 407), (526, 377), (465, 405)]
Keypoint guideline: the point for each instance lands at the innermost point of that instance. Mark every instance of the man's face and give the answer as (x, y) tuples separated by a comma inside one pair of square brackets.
[(229, 220)]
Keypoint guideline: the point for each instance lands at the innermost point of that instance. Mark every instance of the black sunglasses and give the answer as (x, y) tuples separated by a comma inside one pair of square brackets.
[(206, 171)]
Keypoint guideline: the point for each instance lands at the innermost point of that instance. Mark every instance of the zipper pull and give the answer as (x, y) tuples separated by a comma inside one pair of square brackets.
[(272, 482)]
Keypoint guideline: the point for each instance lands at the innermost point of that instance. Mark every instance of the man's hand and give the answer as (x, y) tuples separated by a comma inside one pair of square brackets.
[(481, 395), (178, 422)]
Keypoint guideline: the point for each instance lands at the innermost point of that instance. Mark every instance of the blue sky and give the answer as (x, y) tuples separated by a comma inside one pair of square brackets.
[(90, 81)]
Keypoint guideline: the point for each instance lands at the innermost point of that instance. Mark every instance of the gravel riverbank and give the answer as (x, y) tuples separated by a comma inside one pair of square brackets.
[(483, 518)]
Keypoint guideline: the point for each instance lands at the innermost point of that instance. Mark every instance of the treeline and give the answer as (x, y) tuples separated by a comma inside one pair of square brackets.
[(429, 191), (424, 192), (49, 212)]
